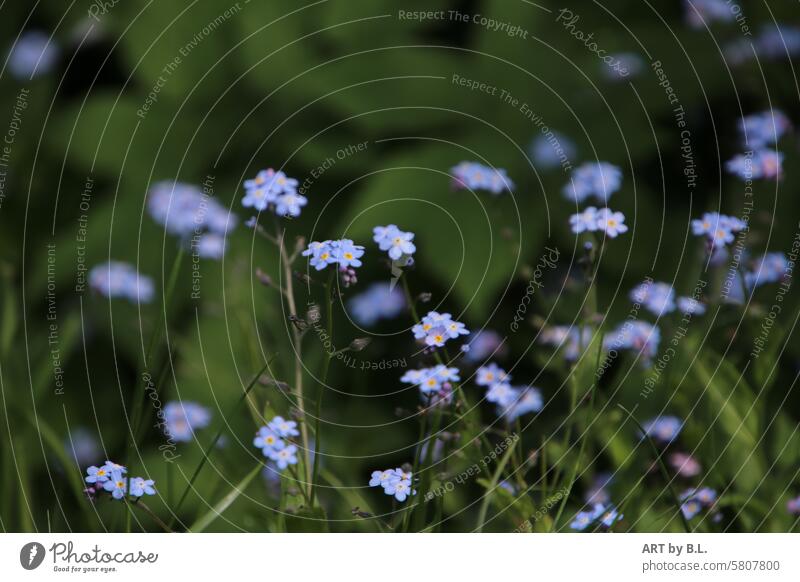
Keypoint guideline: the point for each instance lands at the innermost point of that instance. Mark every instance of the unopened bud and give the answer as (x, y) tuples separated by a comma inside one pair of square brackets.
[(314, 314), (359, 344), (262, 277)]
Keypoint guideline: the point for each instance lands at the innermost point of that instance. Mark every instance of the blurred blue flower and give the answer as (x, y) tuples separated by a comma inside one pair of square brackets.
[(663, 429), (763, 164), (552, 150), (115, 279), (759, 130), (378, 301), (184, 210), (597, 179), (290, 204), (34, 54), (182, 418), (483, 344), (701, 13), (690, 306), (656, 297), (82, 445), (526, 400), (490, 374), (476, 176)]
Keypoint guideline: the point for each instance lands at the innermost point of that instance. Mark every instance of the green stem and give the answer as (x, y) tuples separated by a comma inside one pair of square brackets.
[(141, 505), (297, 341)]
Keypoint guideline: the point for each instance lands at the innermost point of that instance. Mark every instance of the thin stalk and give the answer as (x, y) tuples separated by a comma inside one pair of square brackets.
[(141, 505), (297, 340)]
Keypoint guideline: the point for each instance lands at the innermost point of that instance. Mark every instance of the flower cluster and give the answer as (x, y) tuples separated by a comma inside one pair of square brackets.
[(435, 383), (768, 268), (639, 336), (379, 301), (765, 128), (181, 419), (663, 429), (188, 212), (591, 220), (600, 515), (793, 506), (762, 164), (772, 42), (693, 501), (271, 439), (597, 179), (700, 13), (512, 401), (111, 478), (659, 298), (273, 190), (117, 279), (395, 241), (341, 252), (758, 131), (395, 482), (718, 228), (476, 176), (436, 328)]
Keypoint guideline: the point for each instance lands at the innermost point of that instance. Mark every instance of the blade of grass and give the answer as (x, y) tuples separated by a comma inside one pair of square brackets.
[(492, 484), (210, 448), (210, 516)]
